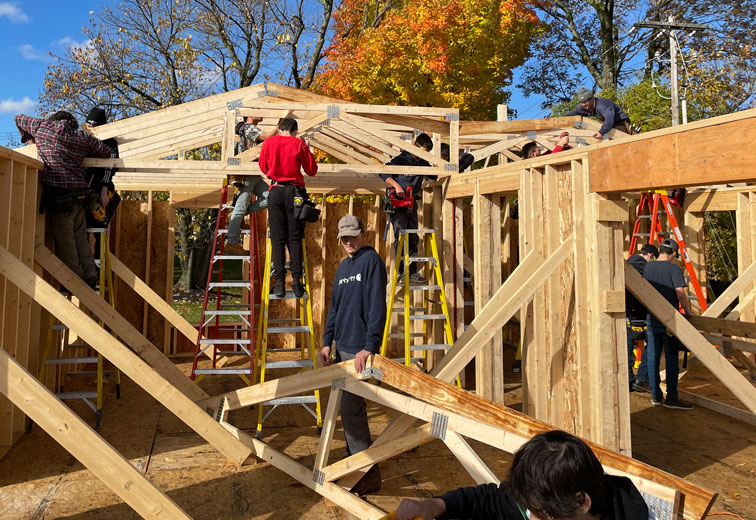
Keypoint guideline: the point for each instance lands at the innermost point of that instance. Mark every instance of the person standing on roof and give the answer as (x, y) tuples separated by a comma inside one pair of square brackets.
[(665, 277), (62, 146), (406, 218), (636, 319), (282, 159), (605, 109), (356, 316), (249, 134)]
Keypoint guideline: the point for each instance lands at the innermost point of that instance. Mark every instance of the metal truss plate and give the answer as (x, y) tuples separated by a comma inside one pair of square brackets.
[(373, 372), (219, 411), (532, 134), (579, 125), (318, 476), (438, 425), (333, 111), (233, 161), (451, 167), (267, 92), (451, 117), (235, 104), (663, 509), (406, 137), (338, 384)]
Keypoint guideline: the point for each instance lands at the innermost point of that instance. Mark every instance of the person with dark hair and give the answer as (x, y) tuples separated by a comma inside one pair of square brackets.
[(665, 277), (635, 319), (465, 159), (605, 109), (282, 159), (554, 476), (62, 146), (249, 134), (531, 149), (403, 217), (100, 180), (354, 329)]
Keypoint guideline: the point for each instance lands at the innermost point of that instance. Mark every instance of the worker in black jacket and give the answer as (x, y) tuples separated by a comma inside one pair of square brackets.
[(554, 476), (356, 316), (636, 313), (406, 218), (605, 109), (100, 180)]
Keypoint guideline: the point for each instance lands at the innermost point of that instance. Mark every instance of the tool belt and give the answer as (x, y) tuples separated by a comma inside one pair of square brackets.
[(63, 200), (304, 206)]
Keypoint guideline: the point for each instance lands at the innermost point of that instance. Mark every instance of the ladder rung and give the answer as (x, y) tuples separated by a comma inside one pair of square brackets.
[(412, 359), (290, 349), (230, 257), (412, 309), (232, 329), (400, 335), (96, 230), (74, 346), (70, 361), (283, 320), (298, 399), (84, 373), (415, 231), (59, 326), (226, 206), (424, 287), (470, 303), (288, 296), (240, 312), (415, 348), (279, 330), (225, 341), (233, 283), (232, 353), (422, 259), (65, 396), (224, 231), (428, 317), (222, 371), (274, 365)]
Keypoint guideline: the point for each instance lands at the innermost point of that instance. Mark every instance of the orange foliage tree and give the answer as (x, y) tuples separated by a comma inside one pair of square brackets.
[(445, 53)]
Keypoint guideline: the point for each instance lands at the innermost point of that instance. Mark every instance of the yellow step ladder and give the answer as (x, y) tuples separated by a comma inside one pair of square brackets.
[(303, 329), (411, 314)]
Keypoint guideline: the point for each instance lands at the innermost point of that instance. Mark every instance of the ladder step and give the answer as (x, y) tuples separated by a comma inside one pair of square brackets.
[(59, 326), (291, 349), (84, 373), (428, 317), (424, 287), (66, 396), (412, 309), (222, 371), (230, 257), (416, 231), (70, 361), (233, 283), (301, 363), (412, 360), (240, 312), (283, 320), (415, 348), (232, 353), (224, 231), (298, 399), (665, 233), (400, 335), (279, 330), (232, 329), (288, 296), (470, 303), (74, 346), (225, 341), (422, 259)]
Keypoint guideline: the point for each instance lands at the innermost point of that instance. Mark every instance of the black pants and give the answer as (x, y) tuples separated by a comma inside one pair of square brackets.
[(405, 218), (285, 230)]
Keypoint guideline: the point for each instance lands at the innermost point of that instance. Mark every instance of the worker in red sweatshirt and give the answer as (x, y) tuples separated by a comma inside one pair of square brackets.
[(282, 159)]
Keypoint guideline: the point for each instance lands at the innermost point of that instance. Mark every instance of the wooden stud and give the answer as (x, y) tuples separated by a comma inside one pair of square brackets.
[(470, 460)]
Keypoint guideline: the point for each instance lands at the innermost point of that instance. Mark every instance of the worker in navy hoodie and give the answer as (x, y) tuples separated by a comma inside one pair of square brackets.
[(356, 316)]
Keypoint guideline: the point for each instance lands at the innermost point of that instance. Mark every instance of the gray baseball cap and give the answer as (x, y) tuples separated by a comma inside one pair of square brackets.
[(583, 95), (349, 226)]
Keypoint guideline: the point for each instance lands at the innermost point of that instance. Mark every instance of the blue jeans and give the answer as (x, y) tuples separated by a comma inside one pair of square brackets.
[(256, 186), (658, 340), (642, 375)]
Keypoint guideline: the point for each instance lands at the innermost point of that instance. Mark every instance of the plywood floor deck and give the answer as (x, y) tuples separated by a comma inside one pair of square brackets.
[(40, 480)]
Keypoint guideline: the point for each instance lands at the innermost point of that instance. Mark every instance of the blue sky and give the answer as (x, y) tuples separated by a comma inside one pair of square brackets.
[(29, 31)]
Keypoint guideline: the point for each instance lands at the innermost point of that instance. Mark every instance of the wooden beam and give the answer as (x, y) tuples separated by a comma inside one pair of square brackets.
[(81, 441), (691, 338), (518, 126), (724, 326), (130, 364), (728, 296), (470, 460), (426, 124)]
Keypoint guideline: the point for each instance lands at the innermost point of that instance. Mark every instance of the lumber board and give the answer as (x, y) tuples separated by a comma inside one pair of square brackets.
[(79, 439), (678, 158), (470, 460), (329, 427), (724, 326), (727, 343), (355, 108), (130, 364), (728, 296), (517, 126), (117, 323), (717, 199), (724, 409), (21, 158), (484, 362), (691, 338), (426, 124), (522, 427)]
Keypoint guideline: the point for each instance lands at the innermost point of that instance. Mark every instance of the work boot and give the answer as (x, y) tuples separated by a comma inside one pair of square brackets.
[(297, 287), (235, 249), (370, 483), (677, 404), (279, 290), (417, 278), (642, 386)]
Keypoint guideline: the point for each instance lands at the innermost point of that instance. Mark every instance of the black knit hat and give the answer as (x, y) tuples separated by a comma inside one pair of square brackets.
[(650, 248), (97, 117)]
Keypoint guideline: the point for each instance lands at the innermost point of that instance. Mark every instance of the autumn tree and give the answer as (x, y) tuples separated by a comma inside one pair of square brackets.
[(446, 53)]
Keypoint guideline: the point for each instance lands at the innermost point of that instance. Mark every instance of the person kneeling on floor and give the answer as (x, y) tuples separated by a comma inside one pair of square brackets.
[(554, 476)]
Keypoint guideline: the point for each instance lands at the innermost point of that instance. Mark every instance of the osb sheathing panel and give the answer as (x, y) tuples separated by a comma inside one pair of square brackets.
[(158, 268), (131, 249)]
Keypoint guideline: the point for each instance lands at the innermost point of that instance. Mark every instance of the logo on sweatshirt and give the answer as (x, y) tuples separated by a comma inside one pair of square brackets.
[(354, 278)]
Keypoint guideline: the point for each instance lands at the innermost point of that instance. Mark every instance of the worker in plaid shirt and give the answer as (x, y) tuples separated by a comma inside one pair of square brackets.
[(62, 146)]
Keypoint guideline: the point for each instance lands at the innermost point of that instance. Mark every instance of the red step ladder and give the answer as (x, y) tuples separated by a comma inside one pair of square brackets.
[(211, 333)]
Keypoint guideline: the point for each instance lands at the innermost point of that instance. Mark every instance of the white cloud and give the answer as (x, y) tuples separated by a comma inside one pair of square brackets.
[(22, 106), (73, 44), (32, 54), (13, 13)]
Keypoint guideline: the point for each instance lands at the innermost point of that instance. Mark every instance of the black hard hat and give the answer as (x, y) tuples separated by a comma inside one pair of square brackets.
[(650, 248), (97, 116), (670, 244)]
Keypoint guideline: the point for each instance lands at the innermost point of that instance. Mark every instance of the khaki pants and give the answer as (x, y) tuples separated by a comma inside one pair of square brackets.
[(69, 232)]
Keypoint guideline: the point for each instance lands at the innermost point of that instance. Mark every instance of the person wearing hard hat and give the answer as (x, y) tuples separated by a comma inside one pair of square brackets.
[(604, 109)]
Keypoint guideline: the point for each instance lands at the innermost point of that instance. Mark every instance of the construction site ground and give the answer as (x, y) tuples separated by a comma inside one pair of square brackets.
[(40, 480)]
